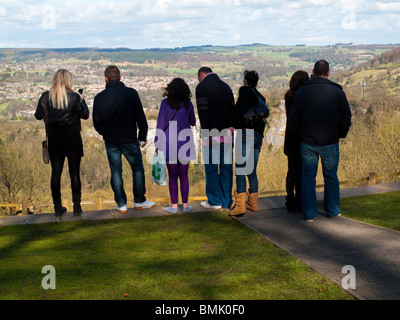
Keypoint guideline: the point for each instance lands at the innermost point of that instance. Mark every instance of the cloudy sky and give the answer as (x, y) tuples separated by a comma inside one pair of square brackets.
[(140, 24)]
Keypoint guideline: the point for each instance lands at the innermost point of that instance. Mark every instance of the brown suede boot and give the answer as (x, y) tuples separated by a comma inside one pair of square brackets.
[(252, 202), (239, 207)]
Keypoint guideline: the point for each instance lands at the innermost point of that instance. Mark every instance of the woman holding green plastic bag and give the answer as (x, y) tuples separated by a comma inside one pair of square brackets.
[(174, 141)]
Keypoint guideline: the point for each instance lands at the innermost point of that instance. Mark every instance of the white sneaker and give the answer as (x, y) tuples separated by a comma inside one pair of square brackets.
[(206, 205), (145, 205), (122, 209), (171, 210)]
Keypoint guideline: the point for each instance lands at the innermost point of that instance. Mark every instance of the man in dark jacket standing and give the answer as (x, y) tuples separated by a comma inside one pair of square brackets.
[(117, 114), (320, 115), (215, 103)]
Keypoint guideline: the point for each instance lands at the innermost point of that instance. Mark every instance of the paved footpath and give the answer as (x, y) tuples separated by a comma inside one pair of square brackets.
[(329, 244), (326, 245)]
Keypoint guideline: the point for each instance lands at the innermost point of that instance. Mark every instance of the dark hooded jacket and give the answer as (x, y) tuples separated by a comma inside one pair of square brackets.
[(215, 103), (118, 114), (320, 113), (247, 99)]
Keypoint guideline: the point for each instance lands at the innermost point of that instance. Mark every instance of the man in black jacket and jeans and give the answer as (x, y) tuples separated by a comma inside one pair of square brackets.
[(215, 103), (320, 115), (117, 114)]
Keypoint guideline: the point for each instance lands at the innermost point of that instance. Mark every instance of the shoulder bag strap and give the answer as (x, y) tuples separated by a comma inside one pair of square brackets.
[(168, 125), (255, 92), (46, 112), (171, 120)]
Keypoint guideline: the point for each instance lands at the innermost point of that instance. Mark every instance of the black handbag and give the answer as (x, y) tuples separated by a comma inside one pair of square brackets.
[(45, 152), (45, 149), (260, 110)]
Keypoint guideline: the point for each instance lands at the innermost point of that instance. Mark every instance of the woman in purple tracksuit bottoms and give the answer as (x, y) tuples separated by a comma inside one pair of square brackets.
[(174, 138)]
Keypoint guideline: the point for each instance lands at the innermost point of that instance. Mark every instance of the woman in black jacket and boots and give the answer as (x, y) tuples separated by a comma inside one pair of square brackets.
[(65, 108), (248, 145), (292, 147)]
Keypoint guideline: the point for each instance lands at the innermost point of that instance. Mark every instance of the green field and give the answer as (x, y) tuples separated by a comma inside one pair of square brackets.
[(379, 209), (198, 256)]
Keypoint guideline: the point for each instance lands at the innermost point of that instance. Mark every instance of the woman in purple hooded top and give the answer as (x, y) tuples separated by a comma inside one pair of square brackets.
[(175, 118)]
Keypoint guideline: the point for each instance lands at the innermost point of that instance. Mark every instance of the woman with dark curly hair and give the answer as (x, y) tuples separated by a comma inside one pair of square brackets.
[(292, 147), (175, 139)]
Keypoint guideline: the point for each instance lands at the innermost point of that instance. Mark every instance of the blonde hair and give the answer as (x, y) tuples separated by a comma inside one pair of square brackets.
[(62, 83)]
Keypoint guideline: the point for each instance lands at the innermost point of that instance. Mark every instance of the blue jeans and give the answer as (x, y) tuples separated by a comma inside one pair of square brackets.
[(219, 173), (132, 153), (330, 160), (249, 144)]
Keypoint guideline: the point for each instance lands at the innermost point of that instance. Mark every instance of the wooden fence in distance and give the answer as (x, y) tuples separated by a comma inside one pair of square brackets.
[(370, 181)]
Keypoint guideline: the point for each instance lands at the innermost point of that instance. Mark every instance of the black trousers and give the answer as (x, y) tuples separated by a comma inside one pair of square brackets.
[(57, 164), (293, 182)]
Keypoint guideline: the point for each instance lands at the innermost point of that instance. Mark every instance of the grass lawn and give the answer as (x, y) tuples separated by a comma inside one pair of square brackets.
[(378, 209), (200, 256)]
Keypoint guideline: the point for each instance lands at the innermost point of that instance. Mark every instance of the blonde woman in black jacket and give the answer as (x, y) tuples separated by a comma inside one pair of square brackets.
[(65, 108)]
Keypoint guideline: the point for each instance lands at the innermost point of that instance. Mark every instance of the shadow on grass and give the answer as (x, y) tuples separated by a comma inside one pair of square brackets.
[(203, 256)]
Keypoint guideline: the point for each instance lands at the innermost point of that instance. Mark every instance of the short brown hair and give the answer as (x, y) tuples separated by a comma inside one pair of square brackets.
[(112, 73), (206, 70), (321, 68)]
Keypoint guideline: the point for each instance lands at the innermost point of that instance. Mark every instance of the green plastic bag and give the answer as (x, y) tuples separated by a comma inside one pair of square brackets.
[(159, 172)]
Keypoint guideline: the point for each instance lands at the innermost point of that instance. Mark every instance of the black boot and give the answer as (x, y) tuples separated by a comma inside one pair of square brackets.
[(76, 198), (77, 210), (290, 204), (59, 210)]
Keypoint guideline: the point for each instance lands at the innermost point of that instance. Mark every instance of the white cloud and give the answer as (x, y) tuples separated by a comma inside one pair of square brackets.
[(388, 7), (171, 23)]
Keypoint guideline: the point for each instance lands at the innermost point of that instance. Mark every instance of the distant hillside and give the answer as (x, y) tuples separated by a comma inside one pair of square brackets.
[(381, 76), (392, 56), (275, 64)]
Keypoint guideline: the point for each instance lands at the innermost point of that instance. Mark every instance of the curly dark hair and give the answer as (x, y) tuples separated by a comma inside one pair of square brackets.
[(177, 93)]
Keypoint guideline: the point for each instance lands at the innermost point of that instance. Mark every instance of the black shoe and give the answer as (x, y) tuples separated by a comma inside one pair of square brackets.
[(59, 210), (290, 207), (77, 210)]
